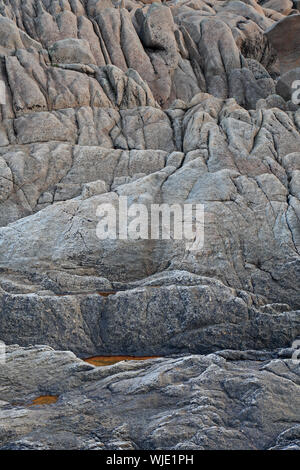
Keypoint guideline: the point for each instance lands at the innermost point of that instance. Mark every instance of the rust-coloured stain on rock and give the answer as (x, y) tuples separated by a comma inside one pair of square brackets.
[(44, 400), (100, 361)]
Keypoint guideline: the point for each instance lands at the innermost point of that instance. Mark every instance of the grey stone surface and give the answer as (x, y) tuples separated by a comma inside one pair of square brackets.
[(189, 402), (71, 51), (177, 102), (288, 49), (168, 313)]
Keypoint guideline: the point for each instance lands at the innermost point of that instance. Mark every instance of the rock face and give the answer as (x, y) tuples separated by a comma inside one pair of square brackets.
[(165, 314), (232, 400), (180, 102), (288, 50), (71, 51)]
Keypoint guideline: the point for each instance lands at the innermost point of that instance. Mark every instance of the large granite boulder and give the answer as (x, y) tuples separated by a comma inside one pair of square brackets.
[(285, 38), (71, 51)]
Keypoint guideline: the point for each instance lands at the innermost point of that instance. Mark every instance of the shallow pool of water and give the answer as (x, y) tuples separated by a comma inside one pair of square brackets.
[(100, 361), (44, 400)]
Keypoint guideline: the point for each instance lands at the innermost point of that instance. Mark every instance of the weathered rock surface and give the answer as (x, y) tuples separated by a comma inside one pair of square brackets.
[(251, 182), (288, 49), (180, 102), (245, 401), (71, 51), (167, 313)]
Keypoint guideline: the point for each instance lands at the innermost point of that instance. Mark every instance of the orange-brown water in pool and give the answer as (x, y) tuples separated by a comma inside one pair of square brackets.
[(100, 361), (44, 400), (106, 294)]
